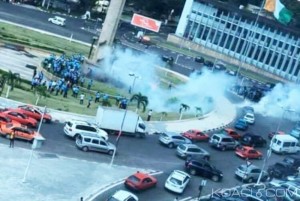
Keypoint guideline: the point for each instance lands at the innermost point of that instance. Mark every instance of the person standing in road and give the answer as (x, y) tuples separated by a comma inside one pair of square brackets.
[(12, 139)]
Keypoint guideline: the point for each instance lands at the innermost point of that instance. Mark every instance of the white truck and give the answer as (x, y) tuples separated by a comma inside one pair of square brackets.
[(111, 120)]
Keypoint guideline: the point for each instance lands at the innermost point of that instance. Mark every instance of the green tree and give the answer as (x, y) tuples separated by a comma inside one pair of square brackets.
[(162, 115), (12, 79), (2, 84), (182, 109), (141, 100), (106, 102), (40, 91)]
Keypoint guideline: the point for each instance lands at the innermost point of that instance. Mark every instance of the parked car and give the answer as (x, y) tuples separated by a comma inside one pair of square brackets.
[(208, 63), (90, 142), (289, 166), (6, 120), (35, 113), (172, 140), (196, 135), (168, 59), (74, 128), (177, 181), (271, 134), (140, 181), (232, 133), (203, 168), (186, 150), (249, 118), (220, 66), (57, 20), (199, 59), (16, 115), (250, 173), (293, 189), (223, 142), (284, 144), (20, 132), (248, 153), (122, 195), (259, 194), (253, 140), (241, 124)]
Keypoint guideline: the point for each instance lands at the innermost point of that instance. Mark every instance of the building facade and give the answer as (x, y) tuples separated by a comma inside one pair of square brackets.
[(249, 37)]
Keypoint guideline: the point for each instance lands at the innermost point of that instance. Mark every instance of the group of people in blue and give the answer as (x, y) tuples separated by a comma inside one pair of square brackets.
[(71, 78)]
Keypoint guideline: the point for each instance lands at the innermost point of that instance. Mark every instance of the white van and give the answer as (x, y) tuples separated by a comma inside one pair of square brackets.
[(284, 144)]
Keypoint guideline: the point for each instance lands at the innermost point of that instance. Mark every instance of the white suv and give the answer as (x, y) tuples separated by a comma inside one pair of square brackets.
[(249, 118), (74, 128), (57, 20)]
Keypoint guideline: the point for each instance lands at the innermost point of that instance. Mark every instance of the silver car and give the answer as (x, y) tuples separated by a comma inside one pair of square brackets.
[(173, 139), (223, 142), (187, 150), (93, 143), (250, 173)]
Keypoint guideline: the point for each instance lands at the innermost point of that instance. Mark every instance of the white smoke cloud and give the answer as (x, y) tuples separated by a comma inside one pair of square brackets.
[(284, 99), (194, 93)]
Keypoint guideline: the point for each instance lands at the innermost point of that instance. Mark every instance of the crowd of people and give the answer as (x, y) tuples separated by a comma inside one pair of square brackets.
[(70, 79)]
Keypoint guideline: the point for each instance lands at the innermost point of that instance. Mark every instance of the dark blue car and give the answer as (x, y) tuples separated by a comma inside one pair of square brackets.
[(241, 124)]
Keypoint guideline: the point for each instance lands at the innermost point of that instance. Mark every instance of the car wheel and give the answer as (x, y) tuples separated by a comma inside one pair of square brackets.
[(215, 178), (250, 180), (171, 145), (110, 152), (85, 149), (192, 171)]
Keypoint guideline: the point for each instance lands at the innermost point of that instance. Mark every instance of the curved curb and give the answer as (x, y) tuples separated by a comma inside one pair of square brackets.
[(106, 187)]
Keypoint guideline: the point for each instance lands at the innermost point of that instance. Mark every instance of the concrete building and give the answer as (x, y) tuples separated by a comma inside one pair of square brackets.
[(240, 37)]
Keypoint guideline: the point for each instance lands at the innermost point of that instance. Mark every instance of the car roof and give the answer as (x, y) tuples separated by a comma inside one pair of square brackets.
[(141, 175), (285, 137), (249, 113), (191, 146), (172, 133), (81, 122), (222, 135), (59, 17), (122, 195), (248, 148), (180, 175), (250, 167)]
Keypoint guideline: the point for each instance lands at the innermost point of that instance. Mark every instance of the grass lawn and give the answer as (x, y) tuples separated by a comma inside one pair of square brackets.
[(37, 39)]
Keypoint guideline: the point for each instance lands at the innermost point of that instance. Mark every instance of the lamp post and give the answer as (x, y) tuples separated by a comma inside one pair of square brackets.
[(36, 144), (201, 186), (118, 138), (94, 39), (134, 78), (269, 152)]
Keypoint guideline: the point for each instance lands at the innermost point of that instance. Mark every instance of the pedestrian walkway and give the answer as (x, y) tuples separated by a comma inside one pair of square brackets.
[(52, 177)]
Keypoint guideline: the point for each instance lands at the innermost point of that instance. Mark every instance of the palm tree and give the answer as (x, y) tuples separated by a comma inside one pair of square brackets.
[(12, 79), (40, 91), (163, 114), (183, 107), (199, 112), (141, 101)]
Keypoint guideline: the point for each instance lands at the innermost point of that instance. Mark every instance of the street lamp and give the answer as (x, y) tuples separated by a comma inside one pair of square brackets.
[(36, 144), (94, 39), (134, 78), (269, 152), (201, 186)]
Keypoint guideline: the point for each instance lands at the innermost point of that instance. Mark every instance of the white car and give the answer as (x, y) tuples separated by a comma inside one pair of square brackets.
[(177, 181), (122, 195), (249, 118), (57, 20), (75, 128)]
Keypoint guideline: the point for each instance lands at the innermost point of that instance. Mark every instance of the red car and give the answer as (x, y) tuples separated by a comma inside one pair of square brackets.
[(271, 134), (196, 135), (248, 153), (6, 120), (232, 133), (16, 115), (140, 181), (20, 132), (34, 112)]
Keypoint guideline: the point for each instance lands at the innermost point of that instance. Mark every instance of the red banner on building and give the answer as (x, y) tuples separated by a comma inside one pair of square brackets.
[(146, 22)]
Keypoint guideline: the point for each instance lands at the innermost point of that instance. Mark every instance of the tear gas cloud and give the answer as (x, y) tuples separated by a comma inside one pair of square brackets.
[(194, 93), (282, 100)]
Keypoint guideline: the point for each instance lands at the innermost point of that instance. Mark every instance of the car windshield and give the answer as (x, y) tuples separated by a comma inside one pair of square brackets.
[(133, 179), (288, 160), (249, 116), (175, 181)]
